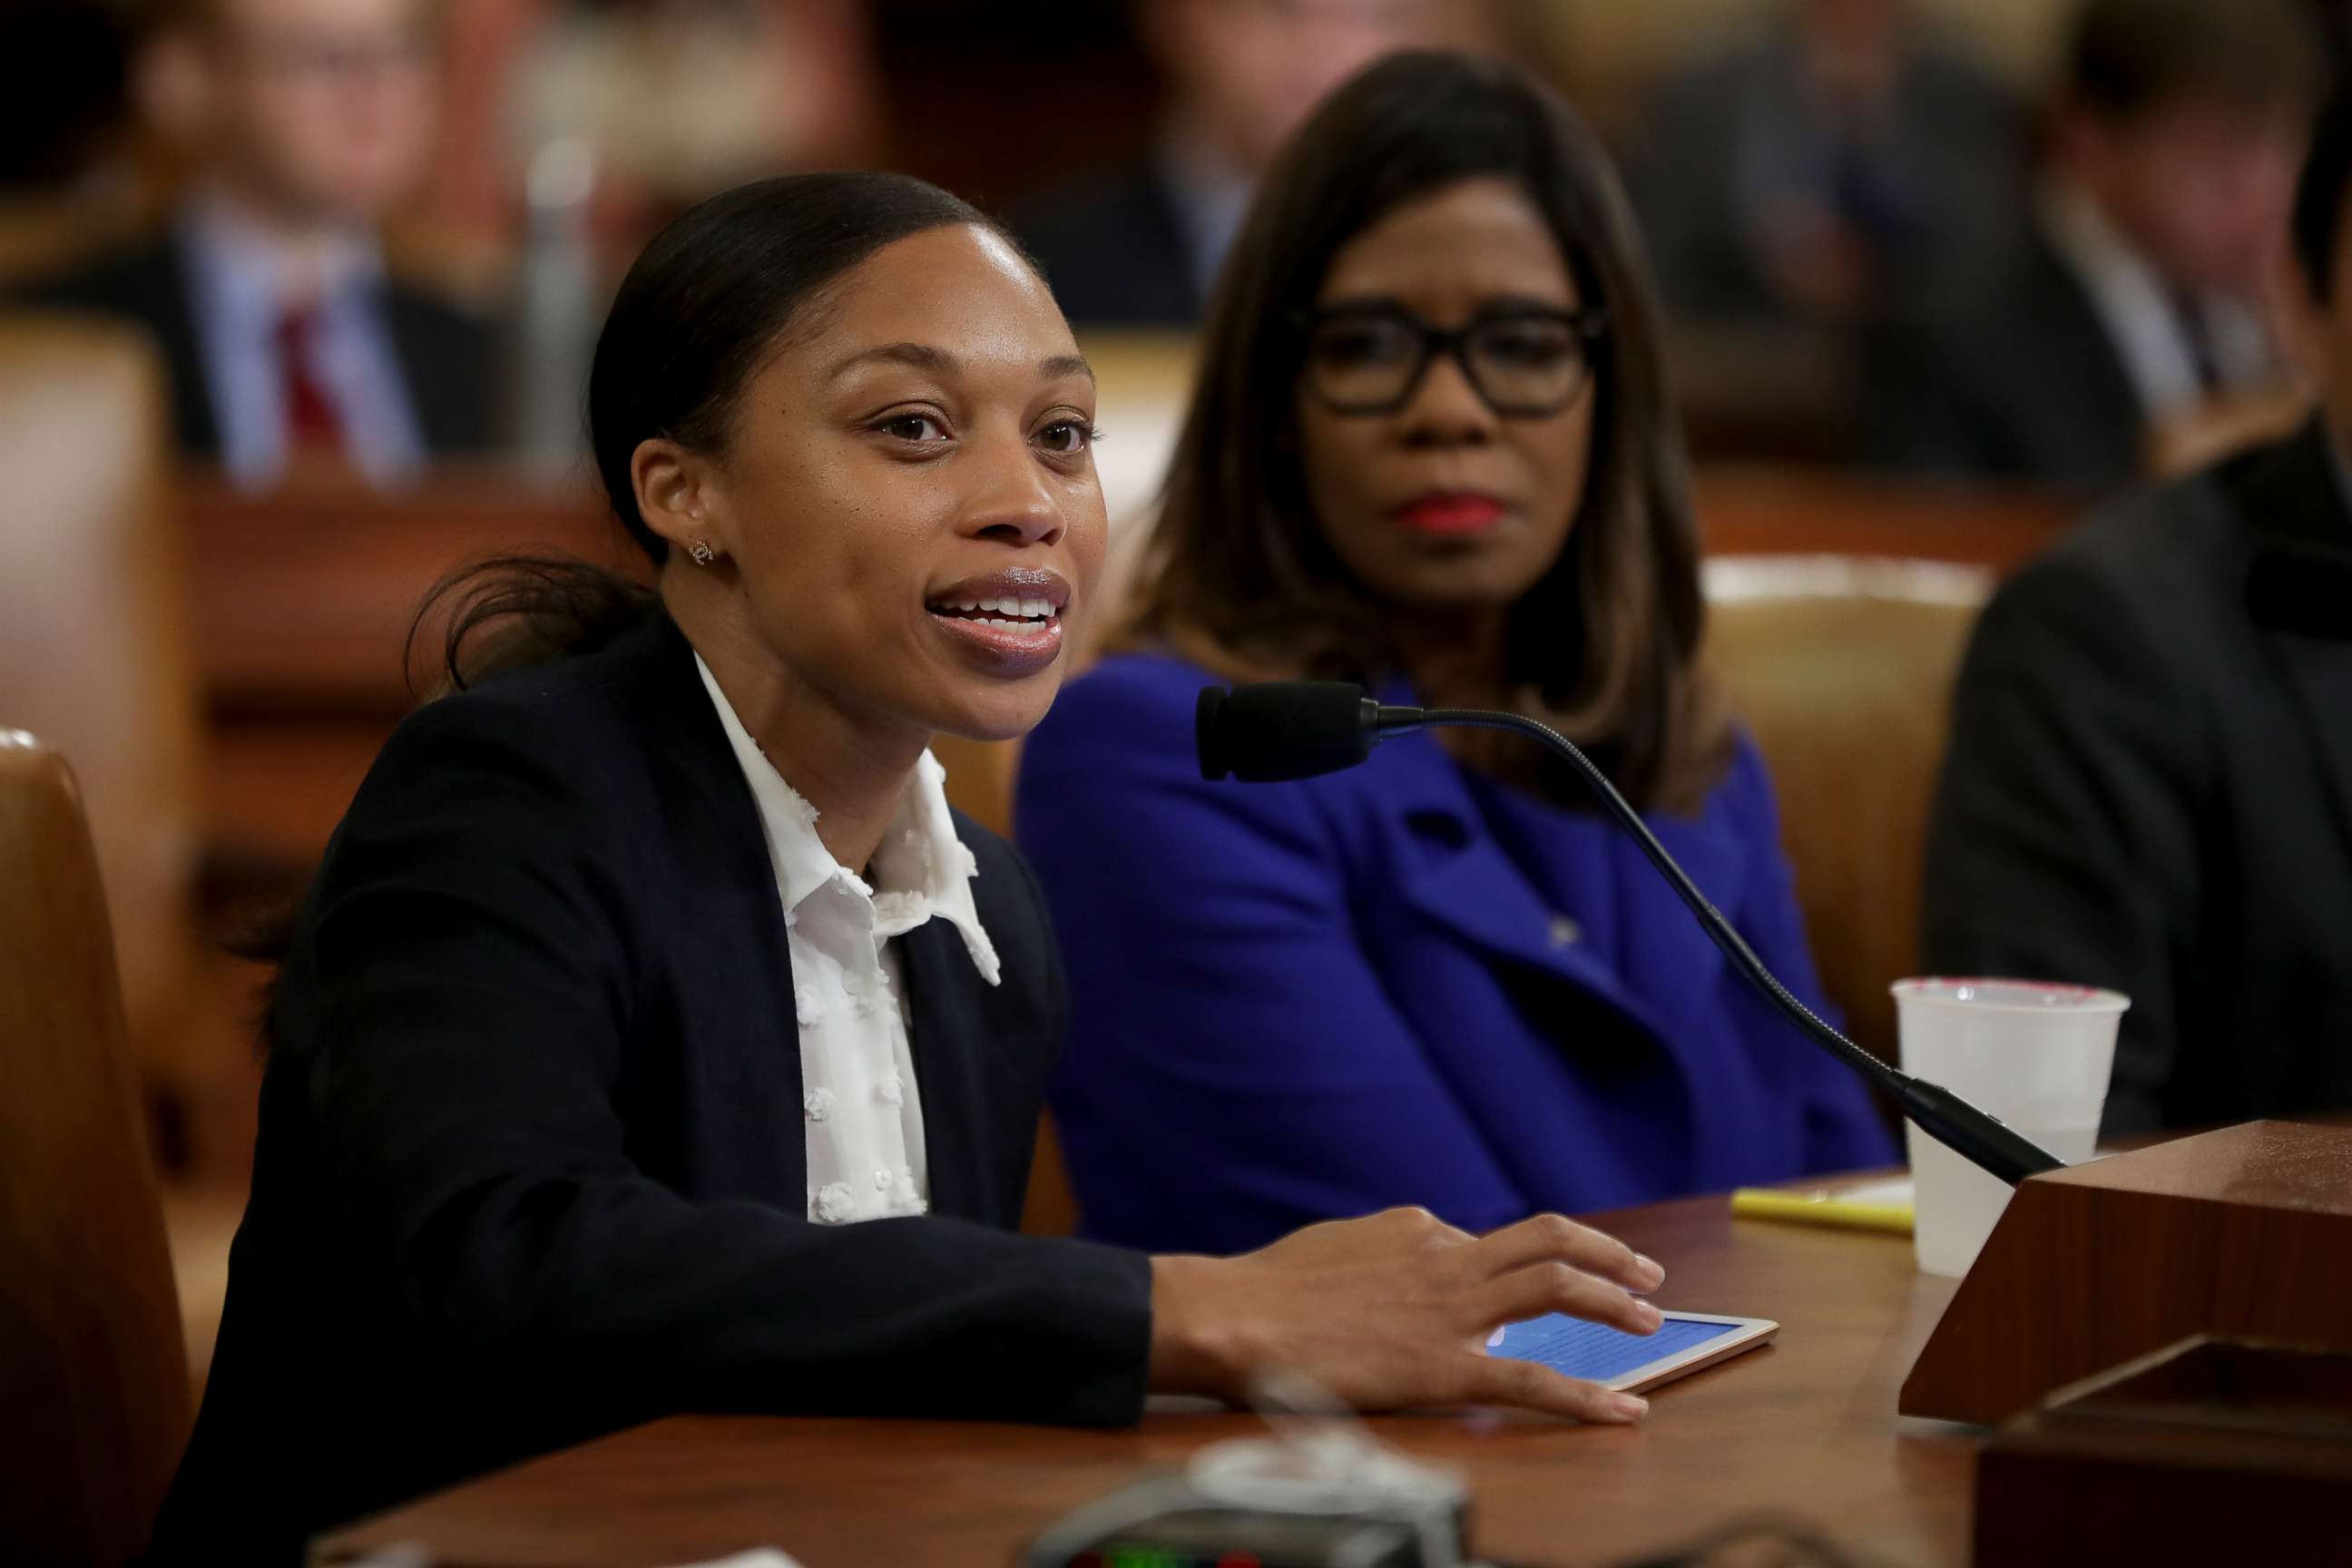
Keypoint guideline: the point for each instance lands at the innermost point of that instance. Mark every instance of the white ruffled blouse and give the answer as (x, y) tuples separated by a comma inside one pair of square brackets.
[(863, 1120)]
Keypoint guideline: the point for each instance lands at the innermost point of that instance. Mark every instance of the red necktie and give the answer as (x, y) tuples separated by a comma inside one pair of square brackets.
[(311, 422)]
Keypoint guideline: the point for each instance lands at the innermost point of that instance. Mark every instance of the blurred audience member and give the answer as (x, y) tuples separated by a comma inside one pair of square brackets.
[(669, 99), (2137, 297), (2150, 780), (676, 98), (305, 122), (573, 128), (1432, 453), (1142, 245), (1841, 167)]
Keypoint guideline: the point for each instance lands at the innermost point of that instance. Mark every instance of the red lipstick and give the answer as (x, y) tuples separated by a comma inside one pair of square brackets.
[(1450, 514)]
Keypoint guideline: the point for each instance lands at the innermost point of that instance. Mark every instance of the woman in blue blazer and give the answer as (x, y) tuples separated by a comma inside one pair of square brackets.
[(1430, 450)]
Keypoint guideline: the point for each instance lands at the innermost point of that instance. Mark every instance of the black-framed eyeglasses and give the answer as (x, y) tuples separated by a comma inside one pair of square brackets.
[(1525, 362)]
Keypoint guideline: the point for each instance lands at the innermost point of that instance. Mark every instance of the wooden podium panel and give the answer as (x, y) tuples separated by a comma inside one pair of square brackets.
[(2246, 1232), (2211, 1451)]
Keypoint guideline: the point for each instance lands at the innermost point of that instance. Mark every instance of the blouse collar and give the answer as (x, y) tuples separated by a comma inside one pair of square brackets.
[(919, 870)]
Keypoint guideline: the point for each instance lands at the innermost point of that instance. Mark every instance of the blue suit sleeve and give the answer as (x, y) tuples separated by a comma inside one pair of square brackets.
[(1235, 1066)]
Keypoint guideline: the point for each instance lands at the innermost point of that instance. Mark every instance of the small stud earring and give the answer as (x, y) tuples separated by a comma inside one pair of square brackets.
[(703, 555)]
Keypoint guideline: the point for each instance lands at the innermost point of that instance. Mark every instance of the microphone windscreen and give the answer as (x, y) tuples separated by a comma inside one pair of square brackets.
[(1281, 730)]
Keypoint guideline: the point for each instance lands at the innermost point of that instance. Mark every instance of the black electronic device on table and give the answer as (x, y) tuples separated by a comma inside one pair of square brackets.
[(1317, 1493)]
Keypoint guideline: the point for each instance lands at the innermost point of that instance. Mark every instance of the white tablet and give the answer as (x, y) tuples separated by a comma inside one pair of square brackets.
[(1630, 1363)]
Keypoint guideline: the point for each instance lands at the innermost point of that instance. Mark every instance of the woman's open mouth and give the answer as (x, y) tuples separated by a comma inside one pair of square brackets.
[(1010, 621), (1027, 618)]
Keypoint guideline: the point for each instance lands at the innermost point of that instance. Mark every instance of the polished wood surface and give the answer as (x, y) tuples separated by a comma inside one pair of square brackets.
[(1752, 509), (1805, 1427), (93, 1383), (303, 600), (2246, 1231), (304, 597), (1842, 669), (94, 650), (2208, 1451), (303, 604)]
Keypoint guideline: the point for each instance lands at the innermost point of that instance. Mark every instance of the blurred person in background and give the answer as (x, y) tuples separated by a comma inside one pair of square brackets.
[(2149, 786), (1841, 167), (1141, 246), (611, 117), (305, 123), (2137, 301), (668, 100), (1430, 451)]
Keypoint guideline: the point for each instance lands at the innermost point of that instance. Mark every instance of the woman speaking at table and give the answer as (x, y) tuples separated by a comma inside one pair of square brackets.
[(653, 1036)]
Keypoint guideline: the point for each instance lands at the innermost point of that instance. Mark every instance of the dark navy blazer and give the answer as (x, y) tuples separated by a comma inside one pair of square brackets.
[(1403, 984), (531, 1164)]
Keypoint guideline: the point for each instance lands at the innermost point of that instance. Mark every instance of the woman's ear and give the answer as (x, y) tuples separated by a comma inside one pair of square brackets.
[(676, 489)]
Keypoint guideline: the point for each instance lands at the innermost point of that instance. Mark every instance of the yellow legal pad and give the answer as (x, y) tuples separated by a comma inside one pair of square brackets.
[(1864, 1205)]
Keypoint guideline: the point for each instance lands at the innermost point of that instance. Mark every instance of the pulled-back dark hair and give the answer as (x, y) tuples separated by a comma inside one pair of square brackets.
[(1240, 575), (707, 301)]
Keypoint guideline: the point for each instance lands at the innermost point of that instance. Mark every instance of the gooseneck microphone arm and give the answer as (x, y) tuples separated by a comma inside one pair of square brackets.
[(1941, 1114), (1297, 729)]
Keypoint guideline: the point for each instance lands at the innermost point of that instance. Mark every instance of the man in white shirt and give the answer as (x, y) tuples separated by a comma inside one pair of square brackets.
[(2136, 298)]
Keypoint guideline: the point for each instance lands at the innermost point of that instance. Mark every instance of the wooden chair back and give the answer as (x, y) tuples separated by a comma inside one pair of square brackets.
[(94, 1397), (1842, 668), (94, 643)]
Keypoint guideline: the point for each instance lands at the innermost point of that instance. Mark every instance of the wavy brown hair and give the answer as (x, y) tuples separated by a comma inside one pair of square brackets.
[(1241, 577)]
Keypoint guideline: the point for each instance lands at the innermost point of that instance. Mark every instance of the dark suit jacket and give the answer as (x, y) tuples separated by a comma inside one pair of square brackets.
[(2025, 386), (531, 1166), (1114, 251), (2150, 790), (447, 354)]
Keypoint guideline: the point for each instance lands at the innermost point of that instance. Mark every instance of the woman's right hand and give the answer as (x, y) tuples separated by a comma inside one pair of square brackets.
[(1393, 1310)]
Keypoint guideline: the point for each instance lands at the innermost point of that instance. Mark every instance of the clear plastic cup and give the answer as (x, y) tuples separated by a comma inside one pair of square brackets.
[(2034, 1053)]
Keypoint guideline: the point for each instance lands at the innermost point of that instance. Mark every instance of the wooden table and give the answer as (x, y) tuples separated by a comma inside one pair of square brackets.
[(1806, 1428)]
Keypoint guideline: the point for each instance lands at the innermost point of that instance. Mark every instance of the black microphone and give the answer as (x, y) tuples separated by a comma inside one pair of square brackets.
[(1298, 729)]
